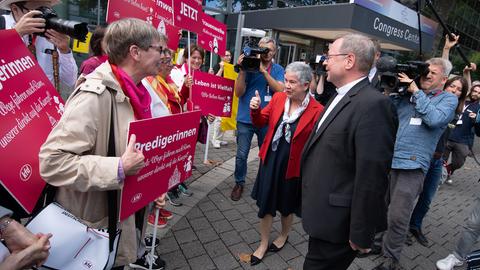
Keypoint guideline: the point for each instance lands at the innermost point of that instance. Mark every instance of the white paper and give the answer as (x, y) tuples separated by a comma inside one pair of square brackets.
[(73, 244)]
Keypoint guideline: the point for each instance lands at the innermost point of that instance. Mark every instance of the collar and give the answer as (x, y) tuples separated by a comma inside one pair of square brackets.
[(372, 72), (344, 89)]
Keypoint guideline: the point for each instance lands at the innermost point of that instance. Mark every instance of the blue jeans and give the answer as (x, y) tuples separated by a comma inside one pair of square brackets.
[(244, 140), (430, 187)]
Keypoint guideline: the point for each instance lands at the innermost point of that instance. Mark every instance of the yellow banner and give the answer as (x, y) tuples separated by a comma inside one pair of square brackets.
[(230, 123), (82, 47)]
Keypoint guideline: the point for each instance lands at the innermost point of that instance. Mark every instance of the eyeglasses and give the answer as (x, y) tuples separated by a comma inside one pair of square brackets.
[(166, 61), (328, 56), (159, 48)]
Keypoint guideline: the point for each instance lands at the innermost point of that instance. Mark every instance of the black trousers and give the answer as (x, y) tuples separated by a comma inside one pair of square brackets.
[(323, 255)]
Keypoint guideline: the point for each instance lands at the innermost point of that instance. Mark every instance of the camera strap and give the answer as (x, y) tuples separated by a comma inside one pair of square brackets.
[(31, 45)]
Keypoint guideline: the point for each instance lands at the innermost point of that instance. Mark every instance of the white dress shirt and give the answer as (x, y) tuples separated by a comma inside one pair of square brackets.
[(341, 93), (67, 65), (371, 74)]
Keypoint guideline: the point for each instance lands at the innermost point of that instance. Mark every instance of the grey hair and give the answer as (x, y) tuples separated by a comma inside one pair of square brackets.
[(268, 40), (301, 70), (122, 34), (363, 49), (444, 63)]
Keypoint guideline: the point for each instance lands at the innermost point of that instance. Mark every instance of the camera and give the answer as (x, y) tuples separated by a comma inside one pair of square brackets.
[(318, 66), (251, 62), (389, 69), (77, 30)]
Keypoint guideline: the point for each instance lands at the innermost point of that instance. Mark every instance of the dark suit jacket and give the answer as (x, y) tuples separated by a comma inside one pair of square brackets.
[(345, 167), (273, 113)]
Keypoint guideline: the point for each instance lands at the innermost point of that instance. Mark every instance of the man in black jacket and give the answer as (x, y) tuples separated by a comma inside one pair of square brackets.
[(346, 161)]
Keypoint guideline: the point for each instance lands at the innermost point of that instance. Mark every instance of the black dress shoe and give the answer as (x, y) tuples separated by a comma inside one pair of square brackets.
[(418, 234), (254, 260), (274, 248), (376, 250)]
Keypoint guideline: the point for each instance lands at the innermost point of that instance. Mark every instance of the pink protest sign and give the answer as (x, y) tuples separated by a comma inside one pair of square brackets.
[(213, 36), (212, 94), (158, 13), (29, 107), (188, 15), (168, 144)]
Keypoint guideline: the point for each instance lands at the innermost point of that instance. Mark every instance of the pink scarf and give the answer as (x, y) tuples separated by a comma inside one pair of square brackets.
[(138, 95)]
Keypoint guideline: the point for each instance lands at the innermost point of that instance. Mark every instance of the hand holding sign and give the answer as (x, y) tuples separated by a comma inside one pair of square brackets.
[(255, 101), (132, 159)]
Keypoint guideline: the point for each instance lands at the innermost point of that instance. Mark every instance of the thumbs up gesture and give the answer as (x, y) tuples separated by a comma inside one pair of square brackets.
[(255, 101), (132, 159)]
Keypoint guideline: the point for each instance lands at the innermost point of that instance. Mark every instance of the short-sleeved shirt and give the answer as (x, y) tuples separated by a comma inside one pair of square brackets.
[(256, 81)]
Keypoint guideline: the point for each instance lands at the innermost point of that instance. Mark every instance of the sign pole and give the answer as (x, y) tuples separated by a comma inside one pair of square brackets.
[(154, 239), (205, 157)]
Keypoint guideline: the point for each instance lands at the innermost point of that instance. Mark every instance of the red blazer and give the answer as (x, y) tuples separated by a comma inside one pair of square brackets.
[(271, 114)]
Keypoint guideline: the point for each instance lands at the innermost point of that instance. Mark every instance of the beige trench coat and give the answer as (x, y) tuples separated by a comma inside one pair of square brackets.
[(73, 158)]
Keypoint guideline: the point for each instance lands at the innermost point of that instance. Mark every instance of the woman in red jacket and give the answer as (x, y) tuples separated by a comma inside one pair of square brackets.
[(290, 116)]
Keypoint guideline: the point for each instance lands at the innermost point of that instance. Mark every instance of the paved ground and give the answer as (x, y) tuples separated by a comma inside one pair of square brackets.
[(210, 230)]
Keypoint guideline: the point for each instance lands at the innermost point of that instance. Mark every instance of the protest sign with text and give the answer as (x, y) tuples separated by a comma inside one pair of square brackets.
[(188, 15), (158, 13), (213, 36), (212, 94), (168, 144), (29, 107)]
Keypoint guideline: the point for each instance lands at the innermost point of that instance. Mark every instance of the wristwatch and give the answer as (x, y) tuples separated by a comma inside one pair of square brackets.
[(3, 225)]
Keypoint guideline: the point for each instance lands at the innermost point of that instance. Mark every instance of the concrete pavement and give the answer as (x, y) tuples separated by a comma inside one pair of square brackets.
[(210, 230)]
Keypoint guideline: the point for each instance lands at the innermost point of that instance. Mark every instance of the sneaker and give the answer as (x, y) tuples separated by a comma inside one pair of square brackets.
[(223, 143), (148, 241), (216, 145), (449, 181), (144, 262), (184, 190), (172, 197), (165, 213), (448, 263), (162, 222)]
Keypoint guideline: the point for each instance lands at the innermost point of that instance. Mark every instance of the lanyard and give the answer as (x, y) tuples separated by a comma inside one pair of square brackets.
[(269, 71)]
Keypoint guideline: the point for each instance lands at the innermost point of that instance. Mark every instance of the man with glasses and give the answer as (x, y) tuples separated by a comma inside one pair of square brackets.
[(23, 19), (346, 160), (423, 116), (268, 80)]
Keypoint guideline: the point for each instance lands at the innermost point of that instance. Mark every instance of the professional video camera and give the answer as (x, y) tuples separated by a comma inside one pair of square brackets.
[(77, 30), (251, 61), (389, 69), (317, 65)]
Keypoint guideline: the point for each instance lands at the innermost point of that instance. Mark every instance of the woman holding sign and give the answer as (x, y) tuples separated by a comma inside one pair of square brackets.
[(290, 116), (78, 156)]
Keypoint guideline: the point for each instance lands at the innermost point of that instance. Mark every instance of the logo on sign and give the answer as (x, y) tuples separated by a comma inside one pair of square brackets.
[(87, 264), (25, 172), (116, 14), (136, 198)]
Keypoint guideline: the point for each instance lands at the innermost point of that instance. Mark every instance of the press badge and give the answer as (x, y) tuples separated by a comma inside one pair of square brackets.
[(268, 98), (415, 121)]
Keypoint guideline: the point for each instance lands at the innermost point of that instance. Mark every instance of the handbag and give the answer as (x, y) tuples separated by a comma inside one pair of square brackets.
[(74, 245), (473, 260)]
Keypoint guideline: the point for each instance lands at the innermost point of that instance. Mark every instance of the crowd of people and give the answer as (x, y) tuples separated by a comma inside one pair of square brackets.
[(315, 133)]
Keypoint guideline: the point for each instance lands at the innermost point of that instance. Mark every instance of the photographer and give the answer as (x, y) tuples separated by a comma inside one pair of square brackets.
[(24, 19), (423, 116), (267, 80)]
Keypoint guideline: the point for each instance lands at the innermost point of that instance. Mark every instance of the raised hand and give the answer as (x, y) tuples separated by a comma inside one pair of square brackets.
[(28, 24), (255, 101), (132, 159)]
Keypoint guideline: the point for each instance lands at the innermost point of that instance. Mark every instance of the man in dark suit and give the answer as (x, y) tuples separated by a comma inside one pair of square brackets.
[(346, 161)]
